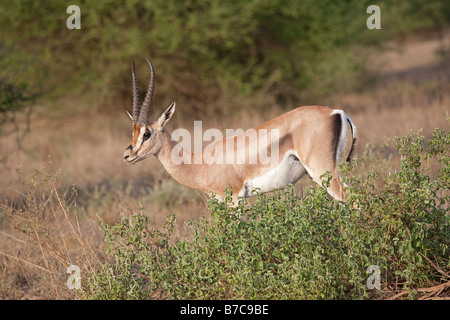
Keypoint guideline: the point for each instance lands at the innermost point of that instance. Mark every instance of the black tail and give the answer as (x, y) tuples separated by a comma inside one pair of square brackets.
[(352, 150)]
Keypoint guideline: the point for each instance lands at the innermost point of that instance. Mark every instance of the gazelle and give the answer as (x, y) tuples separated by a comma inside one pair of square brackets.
[(311, 139)]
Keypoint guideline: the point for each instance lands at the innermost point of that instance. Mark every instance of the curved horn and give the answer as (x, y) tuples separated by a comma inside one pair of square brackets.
[(143, 116), (136, 102)]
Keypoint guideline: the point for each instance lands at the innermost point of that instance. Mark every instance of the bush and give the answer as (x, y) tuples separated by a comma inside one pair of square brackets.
[(205, 49), (17, 91), (286, 247)]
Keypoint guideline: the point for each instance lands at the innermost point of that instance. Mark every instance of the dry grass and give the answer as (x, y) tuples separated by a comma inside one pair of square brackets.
[(50, 238), (56, 231)]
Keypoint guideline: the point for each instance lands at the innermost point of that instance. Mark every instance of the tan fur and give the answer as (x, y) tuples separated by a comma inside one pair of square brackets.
[(307, 130)]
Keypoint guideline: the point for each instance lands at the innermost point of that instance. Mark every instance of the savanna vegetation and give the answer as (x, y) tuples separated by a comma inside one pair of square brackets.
[(284, 246), (67, 198)]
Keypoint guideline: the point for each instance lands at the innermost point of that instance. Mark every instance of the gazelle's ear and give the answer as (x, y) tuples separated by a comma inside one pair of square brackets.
[(165, 117), (131, 117)]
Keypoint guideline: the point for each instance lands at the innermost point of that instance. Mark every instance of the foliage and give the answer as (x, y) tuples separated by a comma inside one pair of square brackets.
[(17, 91), (286, 247), (205, 49)]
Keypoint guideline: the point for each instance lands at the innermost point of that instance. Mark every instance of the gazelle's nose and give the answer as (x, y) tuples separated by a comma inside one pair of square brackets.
[(127, 152), (127, 156)]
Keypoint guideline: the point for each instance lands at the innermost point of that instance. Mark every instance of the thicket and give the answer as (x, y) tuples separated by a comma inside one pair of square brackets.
[(284, 246), (204, 50), (19, 87)]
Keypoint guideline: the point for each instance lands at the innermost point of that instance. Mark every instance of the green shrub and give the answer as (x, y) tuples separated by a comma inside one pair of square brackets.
[(284, 247), (20, 84), (204, 49)]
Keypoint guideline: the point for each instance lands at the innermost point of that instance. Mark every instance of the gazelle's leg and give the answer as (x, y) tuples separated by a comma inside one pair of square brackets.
[(336, 188)]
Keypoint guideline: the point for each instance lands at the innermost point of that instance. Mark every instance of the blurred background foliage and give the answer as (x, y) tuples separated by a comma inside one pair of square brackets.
[(204, 51)]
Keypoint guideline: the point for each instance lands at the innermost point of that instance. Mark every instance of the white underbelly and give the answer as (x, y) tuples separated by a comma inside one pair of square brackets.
[(289, 171)]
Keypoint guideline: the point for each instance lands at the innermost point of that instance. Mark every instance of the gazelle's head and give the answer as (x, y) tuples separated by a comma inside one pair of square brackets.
[(146, 134)]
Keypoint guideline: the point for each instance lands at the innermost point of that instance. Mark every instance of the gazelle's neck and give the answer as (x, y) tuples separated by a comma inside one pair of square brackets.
[(178, 162)]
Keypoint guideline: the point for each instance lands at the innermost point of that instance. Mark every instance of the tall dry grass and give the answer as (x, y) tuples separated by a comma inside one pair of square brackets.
[(49, 238)]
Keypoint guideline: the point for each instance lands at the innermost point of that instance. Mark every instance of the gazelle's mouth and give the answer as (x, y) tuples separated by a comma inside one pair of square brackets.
[(129, 160)]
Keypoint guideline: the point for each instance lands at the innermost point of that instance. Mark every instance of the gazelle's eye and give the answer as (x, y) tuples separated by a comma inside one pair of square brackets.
[(147, 135)]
